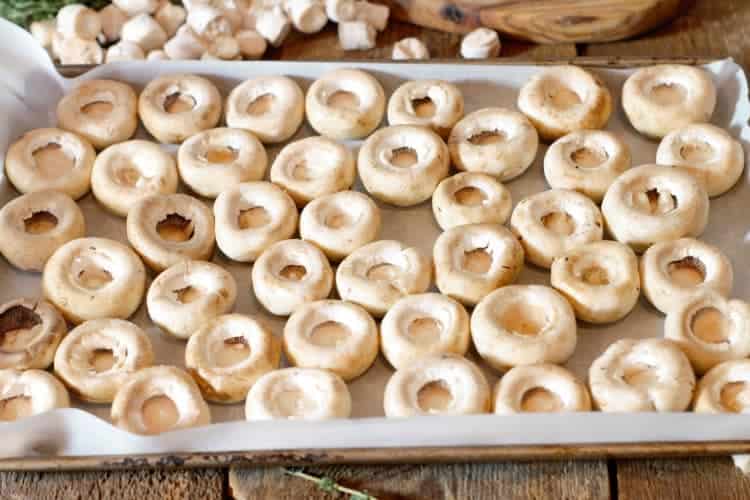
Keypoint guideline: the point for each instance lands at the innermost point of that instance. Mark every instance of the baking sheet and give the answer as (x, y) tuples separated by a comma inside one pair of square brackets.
[(29, 91)]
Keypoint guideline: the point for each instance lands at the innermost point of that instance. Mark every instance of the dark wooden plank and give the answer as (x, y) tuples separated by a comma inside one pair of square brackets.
[(325, 45), (543, 20), (706, 28), (559, 480), (126, 485), (686, 479)]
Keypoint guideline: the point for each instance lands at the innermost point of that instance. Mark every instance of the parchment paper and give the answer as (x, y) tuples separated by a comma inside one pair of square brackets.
[(29, 91)]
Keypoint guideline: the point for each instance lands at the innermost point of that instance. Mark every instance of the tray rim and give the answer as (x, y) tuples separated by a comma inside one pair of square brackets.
[(392, 455)]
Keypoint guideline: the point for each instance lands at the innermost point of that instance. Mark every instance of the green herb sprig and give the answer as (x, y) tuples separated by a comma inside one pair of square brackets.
[(329, 485), (25, 12)]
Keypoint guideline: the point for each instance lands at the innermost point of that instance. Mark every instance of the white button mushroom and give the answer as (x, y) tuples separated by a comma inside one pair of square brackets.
[(74, 50), (208, 21), (410, 49), (125, 51), (307, 16), (373, 14), (482, 43), (157, 55), (43, 32), (185, 45), (170, 17), (145, 31), (340, 10), (356, 35), (79, 21), (225, 48), (252, 44), (273, 25), (112, 19), (134, 7)]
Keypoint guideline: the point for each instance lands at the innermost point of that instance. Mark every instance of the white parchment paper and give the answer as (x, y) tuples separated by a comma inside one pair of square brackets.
[(29, 91)]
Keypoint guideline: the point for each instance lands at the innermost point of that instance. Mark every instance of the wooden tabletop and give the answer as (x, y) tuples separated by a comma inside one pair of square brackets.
[(707, 28)]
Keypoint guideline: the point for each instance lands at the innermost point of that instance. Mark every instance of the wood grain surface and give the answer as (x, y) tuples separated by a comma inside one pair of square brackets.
[(555, 480), (687, 479), (713, 28), (545, 21), (136, 485), (706, 29)]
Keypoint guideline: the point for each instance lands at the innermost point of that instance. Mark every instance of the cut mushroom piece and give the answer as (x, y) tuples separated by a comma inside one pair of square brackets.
[(423, 325), (170, 228), (662, 98), (332, 335), (144, 31), (378, 274), (437, 385), (356, 35), (228, 354), (29, 392), (542, 388), (551, 223), (30, 331), (251, 217), (654, 203), (44, 32), (170, 17), (313, 167), (345, 104), (403, 164), (677, 272), (33, 226), (74, 50), (252, 44), (159, 399), (298, 394), (126, 173), (562, 99), (642, 375), (96, 357), (134, 7), (474, 259), (189, 294), (587, 161), (707, 152), (78, 21), (307, 16), (494, 141), (124, 51), (470, 198), (185, 45), (174, 107), (290, 273), (482, 43), (523, 325), (410, 49), (273, 25), (271, 107), (92, 278)]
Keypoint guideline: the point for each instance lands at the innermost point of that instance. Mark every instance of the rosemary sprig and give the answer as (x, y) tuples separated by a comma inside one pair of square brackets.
[(24, 12), (328, 484)]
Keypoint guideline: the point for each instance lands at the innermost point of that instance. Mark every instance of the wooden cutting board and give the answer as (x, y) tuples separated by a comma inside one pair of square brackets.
[(543, 21)]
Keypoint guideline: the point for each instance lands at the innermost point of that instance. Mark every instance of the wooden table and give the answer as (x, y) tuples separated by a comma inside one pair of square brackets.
[(708, 28)]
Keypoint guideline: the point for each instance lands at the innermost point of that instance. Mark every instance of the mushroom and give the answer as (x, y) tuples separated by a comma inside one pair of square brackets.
[(144, 31)]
